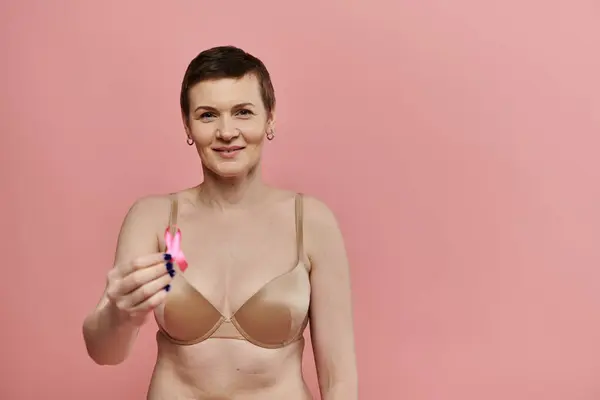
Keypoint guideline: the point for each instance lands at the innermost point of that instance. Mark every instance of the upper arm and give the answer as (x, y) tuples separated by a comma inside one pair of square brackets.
[(138, 234), (331, 321)]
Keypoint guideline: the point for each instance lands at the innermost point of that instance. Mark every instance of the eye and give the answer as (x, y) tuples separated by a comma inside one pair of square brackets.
[(206, 115), (244, 112)]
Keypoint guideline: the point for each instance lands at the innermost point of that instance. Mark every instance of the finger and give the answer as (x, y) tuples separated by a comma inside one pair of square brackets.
[(145, 262), (139, 278), (151, 302), (143, 293)]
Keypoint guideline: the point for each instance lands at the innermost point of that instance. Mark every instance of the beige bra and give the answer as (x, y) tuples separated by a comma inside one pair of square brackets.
[(273, 317)]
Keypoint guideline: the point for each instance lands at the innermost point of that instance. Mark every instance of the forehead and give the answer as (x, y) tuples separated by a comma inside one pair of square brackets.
[(226, 91)]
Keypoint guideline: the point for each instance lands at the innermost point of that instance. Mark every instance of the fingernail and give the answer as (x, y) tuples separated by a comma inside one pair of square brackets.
[(168, 287), (172, 273), (169, 266), (167, 257)]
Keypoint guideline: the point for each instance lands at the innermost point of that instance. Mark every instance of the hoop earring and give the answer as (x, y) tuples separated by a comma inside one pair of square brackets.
[(190, 141), (270, 135)]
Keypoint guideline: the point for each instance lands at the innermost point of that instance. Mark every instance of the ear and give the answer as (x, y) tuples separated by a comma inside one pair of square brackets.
[(186, 125), (271, 122)]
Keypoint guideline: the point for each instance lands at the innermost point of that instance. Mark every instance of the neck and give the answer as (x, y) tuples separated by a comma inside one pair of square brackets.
[(231, 192)]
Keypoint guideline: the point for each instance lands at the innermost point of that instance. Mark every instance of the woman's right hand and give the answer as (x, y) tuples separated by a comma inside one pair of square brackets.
[(136, 288)]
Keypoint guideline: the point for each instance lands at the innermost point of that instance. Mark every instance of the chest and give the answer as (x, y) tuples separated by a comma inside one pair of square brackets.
[(229, 261)]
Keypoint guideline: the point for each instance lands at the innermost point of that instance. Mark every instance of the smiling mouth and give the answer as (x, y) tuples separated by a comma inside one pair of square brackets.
[(228, 153), (228, 150)]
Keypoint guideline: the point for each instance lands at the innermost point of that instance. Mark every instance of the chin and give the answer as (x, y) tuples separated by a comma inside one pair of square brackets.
[(230, 170)]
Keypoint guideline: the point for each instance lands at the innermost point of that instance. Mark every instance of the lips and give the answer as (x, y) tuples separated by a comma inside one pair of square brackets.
[(228, 149), (228, 152)]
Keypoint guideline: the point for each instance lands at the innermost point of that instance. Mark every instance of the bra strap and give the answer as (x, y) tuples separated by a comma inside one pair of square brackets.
[(299, 225), (174, 213)]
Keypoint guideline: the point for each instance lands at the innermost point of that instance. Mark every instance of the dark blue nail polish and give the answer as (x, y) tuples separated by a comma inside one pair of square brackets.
[(169, 266), (171, 273), (168, 287), (167, 257)]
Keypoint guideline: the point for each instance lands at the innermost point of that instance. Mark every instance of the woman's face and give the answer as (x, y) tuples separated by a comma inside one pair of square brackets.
[(228, 122)]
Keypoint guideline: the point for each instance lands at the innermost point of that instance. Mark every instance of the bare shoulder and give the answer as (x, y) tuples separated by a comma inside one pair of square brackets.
[(149, 209), (316, 212), (322, 234), (320, 222), (318, 216)]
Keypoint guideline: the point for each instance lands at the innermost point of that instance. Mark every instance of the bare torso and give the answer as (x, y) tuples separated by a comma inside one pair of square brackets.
[(231, 254), (220, 369)]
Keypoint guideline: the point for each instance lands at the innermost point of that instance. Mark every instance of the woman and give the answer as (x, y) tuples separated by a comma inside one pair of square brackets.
[(230, 325)]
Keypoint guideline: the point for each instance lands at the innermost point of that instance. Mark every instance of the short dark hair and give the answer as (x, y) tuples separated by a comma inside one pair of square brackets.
[(226, 62)]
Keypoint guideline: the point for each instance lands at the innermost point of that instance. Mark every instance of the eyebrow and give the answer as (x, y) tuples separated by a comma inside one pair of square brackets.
[(241, 105)]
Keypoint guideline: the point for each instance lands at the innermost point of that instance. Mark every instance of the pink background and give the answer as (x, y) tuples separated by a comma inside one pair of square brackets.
[(457, 141)]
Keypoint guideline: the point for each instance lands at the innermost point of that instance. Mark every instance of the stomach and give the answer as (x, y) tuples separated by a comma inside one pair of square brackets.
[(225, 369)]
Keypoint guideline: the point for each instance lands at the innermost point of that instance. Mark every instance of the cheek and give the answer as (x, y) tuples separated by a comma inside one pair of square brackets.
[(203, 135), (253, 133), (254, 138)]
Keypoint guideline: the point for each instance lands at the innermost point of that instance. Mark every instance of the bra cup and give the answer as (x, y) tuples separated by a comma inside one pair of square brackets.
[(278, 312), (186, 315)]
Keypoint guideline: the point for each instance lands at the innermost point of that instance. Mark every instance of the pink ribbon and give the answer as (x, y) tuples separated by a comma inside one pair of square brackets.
[(174, 248)]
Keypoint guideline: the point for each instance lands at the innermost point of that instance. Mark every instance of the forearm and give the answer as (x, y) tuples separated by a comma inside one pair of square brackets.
[(108, 340)]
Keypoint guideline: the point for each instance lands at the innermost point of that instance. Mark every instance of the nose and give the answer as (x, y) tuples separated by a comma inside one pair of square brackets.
[(226, 130)]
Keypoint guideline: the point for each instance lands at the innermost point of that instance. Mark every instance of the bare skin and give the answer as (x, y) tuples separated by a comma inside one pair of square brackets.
[(237, 233)]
